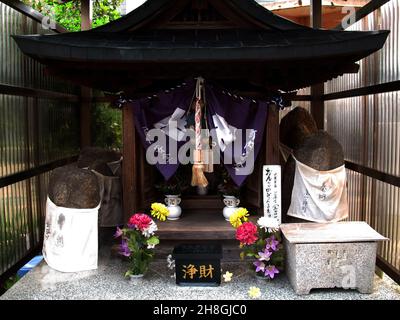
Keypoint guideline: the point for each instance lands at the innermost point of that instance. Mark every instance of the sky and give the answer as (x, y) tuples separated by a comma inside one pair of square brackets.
[(133, 4)]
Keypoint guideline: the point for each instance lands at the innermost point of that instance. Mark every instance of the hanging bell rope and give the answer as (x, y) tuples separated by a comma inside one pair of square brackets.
[(198, 177)]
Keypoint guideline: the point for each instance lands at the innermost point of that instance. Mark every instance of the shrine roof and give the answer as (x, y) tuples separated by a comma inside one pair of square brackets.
[(184, 38)]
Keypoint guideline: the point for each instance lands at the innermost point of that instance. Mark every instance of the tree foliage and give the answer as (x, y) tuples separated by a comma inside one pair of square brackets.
[(68, 14)]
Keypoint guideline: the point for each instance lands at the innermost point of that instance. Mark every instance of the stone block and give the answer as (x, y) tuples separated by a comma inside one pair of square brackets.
[(340, 255)]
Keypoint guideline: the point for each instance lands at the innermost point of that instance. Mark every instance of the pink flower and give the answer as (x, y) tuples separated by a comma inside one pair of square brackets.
[(247, 233), (141, 221)]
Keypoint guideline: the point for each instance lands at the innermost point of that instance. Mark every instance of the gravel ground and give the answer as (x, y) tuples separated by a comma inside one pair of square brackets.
[(107, 282)]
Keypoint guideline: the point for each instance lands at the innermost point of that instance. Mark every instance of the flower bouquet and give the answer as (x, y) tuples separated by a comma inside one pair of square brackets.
[(138, 239), (260, 243)]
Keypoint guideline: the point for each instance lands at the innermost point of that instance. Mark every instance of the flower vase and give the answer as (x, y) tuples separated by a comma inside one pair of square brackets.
[(231, 205), (136, 277), (173, 202), (260, 277)]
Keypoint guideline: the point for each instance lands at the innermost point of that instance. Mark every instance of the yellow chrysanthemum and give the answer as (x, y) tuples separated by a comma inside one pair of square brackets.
[(159, 211), (238, 217), (254, 292)]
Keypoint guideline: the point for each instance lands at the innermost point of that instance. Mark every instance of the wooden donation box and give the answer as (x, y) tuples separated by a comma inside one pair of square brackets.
[(330, 255), (198, 264)]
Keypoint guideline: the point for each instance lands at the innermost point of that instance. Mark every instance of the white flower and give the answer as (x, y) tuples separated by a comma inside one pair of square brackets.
[(151, 246), (271, 225), (150, 230), (227, 276)]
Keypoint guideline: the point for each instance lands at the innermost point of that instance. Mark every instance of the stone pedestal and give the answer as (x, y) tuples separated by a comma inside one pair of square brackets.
[(331, 255)]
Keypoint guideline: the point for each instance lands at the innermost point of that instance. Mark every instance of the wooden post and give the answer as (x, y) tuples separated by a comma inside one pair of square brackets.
[(129, 162), (316, 14), (85, 116), (86, 14), (272, 136), (317, 91), (318, 105), (86, 93)]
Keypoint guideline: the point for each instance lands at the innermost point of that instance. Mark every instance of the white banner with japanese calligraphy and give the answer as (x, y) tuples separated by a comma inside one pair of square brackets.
[(272, 193), (71, 238), (319, 196)]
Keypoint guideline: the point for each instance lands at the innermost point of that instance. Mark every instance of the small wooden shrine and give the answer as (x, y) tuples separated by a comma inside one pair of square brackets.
[(237, 44)]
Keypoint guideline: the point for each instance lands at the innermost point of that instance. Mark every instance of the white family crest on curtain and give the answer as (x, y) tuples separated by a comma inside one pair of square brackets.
[(174, 126), (71, 238), (319, 196), (225, 133)]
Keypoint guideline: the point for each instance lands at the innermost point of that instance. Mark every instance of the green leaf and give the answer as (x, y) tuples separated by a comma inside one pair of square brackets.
[(128, 273), (153, 240)]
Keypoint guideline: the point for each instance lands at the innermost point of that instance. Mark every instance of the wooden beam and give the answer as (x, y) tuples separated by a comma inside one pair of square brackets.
[(364, 91), (373, 173), (301, 97), (85, 117), (37, 93), (86, 92), (128, 162), (272, 136), (31, 13), (318, 105), (20, 176), (316, 14), (86, 14), (361, 13), (317, 90), (387, 268)]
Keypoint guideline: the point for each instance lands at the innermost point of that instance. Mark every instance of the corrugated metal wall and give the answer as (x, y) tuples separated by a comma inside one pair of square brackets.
[(369, 129), (33, 132)]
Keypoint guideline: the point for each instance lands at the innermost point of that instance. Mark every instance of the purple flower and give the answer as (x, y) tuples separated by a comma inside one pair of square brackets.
[(124, 249), (260, 266), (270, 271), (118, 233), (131, 226), (272, 243), (264, 255)]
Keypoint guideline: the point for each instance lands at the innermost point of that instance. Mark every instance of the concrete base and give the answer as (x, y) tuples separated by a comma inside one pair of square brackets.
[(331, 265)]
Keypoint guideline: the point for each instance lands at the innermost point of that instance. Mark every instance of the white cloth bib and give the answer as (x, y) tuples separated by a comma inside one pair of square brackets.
[(71, 238), (319, 196)]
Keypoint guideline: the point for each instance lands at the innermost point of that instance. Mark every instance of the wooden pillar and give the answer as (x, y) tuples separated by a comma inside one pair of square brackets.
[(86, 93), (316, 14), (86, 14), (85, 116), (272, 136), (317, 91), (129, 162), (318, 105)]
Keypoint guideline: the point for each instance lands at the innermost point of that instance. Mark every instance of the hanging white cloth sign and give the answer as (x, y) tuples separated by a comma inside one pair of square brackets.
[(71, 238), (319, 196), (272, 193)]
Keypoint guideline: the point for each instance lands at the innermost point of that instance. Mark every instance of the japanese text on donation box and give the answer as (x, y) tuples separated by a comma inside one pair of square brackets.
[(194, 271), (272, 192)]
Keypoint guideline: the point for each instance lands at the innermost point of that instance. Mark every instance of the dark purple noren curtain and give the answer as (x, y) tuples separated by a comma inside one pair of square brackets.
[(236, 123)]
